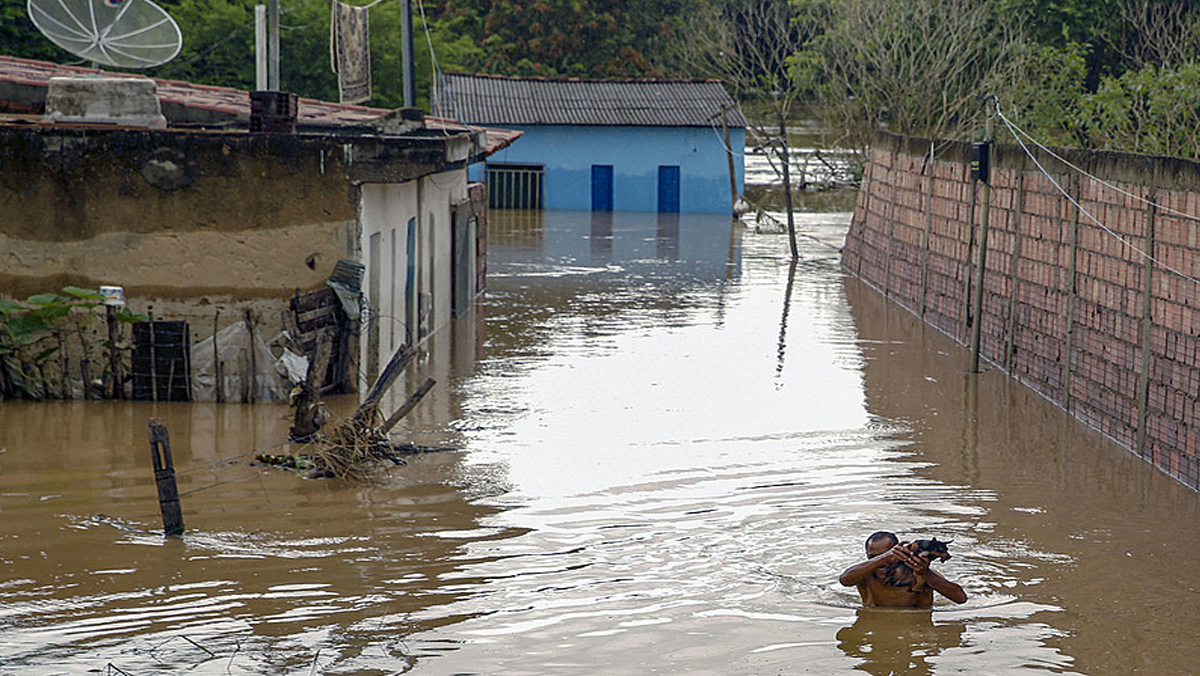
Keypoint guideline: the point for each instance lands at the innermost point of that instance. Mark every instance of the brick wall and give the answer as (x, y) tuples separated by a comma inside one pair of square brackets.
[(1076, 312)]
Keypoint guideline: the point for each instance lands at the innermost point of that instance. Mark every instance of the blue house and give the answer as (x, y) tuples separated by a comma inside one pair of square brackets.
[(606, 145)]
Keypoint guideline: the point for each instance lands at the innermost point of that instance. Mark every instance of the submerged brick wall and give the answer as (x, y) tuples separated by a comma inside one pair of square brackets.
[(1078, 313)]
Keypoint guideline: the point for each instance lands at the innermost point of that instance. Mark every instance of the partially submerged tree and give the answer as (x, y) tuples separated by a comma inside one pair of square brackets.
[(751, 45)]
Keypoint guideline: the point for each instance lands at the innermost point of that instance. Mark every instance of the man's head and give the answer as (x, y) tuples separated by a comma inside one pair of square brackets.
[(879, 542)]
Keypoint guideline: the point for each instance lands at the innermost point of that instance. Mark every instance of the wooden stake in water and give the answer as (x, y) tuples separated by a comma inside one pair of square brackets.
[(164, 476)]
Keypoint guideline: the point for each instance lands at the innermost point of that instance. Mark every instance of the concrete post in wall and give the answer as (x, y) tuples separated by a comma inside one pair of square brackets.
[(928, 230), (1014, 271), (981, 272), (1069, 328), (1143, 388), (893, 180), (868, 180), (968, 267)]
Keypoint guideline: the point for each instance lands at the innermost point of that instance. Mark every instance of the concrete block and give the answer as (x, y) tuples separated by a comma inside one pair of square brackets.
[(121, 101)]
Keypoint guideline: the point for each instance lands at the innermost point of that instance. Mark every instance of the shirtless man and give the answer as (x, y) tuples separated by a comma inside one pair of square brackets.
[(884, 549)]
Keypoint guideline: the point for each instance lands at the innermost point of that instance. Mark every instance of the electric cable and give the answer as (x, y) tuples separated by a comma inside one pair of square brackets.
[(1097, 179), (1083, 210)]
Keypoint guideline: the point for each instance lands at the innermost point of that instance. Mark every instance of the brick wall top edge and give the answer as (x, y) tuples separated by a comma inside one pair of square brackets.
[(1171, 173)]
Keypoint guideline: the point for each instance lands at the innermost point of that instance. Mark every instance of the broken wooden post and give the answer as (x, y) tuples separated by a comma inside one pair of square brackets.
[(116, 389), (306, 422), (411, 402), (218, 376), (164, 477), (85, 366), (366, 410)]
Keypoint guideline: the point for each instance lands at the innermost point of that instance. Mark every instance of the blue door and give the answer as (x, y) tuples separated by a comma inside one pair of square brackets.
[(668, 190), (602, 187), (410, 284)]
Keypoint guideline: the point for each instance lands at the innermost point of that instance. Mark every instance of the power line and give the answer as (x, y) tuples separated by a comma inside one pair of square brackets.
[(1097, 179), (1082, 210)]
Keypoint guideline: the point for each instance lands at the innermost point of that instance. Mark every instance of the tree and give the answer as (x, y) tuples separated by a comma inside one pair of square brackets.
[(566, 38), (1160, 32), (752, 46), (910, 67)]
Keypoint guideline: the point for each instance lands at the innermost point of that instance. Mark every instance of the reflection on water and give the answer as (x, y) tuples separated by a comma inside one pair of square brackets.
[(673, 440), (898, 641)]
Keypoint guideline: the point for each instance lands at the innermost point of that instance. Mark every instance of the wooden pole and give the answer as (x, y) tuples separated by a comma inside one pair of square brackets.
[(116, 389), (409, 404), (65, 369), (733, 192), (981, 271), (153, 362), (164, 477), (252, 377), (305, 422), (85, 367), (371, 403), (217, 375), (787, 184)]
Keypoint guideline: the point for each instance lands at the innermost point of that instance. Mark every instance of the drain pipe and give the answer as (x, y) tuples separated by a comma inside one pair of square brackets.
[(980, 169)]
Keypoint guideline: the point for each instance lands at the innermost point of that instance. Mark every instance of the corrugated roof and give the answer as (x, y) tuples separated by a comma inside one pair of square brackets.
[(234, 102), (489, 99)]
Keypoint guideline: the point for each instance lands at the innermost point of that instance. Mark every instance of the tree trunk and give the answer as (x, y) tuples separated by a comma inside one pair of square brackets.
[(787, 183)]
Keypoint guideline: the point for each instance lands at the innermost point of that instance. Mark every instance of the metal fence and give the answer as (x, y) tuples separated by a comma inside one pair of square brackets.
[(516, 186)]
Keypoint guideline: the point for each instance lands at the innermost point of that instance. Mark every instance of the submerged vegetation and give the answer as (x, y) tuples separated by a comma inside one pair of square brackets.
[(35, 360)]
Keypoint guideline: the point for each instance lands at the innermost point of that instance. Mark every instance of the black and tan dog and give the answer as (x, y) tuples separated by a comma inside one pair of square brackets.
[(901, 575)]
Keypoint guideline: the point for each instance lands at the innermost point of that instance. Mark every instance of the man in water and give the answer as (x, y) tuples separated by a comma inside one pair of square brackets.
[(870, 576)]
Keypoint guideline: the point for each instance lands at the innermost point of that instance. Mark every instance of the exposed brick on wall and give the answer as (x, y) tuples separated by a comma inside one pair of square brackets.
[(1065, 307)]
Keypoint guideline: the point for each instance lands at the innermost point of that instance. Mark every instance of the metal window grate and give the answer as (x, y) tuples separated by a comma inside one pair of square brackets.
[(515, 186)]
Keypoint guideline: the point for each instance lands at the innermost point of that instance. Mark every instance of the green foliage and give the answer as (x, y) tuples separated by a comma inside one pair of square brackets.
[(27, 323), (1093, 27), (218, 43), (1048, 92), (565, 38), (1152, 110), (910, 67), (19, 37)]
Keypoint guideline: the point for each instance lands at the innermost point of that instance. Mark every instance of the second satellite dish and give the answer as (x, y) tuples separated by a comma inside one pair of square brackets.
[(117, 33)]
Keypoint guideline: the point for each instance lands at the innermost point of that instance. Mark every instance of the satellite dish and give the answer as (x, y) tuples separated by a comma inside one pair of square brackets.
[(117, 33)]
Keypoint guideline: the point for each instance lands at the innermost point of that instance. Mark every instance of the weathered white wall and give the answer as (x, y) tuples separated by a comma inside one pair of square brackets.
[(385, 212)]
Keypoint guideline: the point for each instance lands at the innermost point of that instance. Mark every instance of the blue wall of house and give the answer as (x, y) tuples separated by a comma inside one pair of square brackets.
[(635, 153)]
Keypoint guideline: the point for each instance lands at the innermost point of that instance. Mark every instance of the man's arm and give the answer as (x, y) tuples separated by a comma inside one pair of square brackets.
[(861, 571), (945, 587), (924, 574)]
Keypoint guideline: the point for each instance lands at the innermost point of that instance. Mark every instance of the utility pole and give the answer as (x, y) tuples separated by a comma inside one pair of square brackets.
[(261, 57), (787, 184), (273, 46), (980, 170), (733, 192), (406, 51)]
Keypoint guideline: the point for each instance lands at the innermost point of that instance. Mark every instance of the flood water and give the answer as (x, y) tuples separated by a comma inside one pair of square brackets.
[(671, 443)]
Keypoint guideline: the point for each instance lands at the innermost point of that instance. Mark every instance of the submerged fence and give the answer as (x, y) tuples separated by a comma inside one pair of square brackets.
[(1090, 290)]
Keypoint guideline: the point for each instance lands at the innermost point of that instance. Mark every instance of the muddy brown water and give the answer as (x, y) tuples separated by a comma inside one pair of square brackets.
[(671, 444)]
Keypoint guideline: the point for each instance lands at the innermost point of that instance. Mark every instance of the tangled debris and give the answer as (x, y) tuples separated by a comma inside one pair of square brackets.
[(352, 447)]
